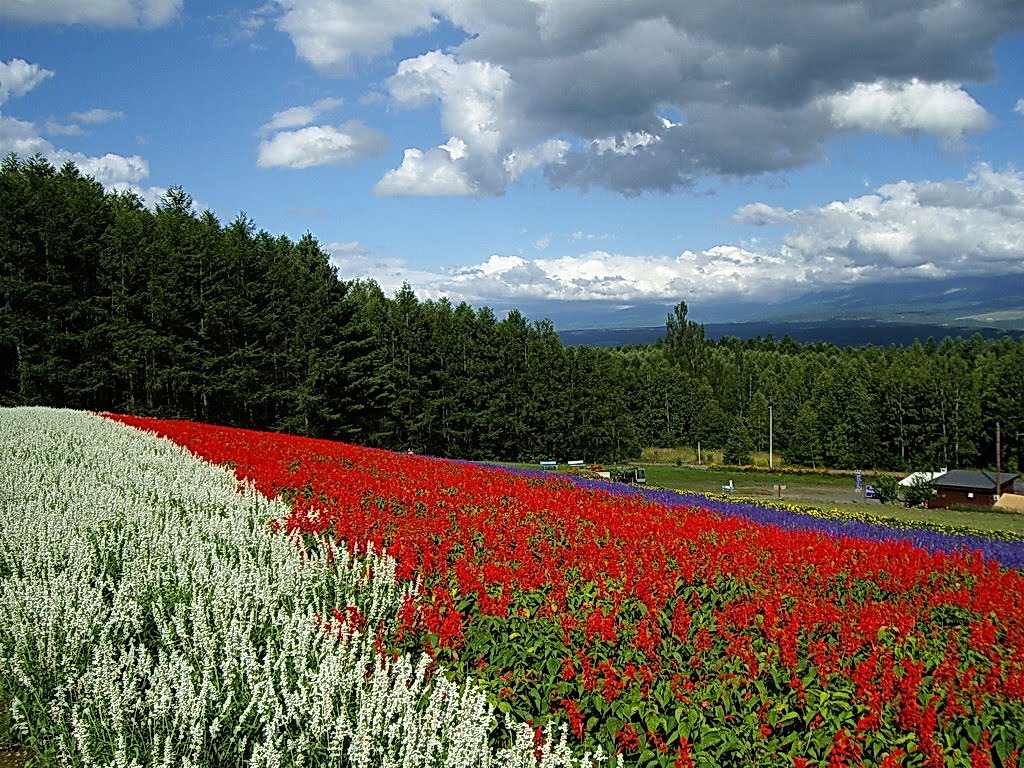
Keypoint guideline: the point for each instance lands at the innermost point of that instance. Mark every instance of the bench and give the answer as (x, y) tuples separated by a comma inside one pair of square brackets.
[(549, 465), (728, 488), (577, 463)]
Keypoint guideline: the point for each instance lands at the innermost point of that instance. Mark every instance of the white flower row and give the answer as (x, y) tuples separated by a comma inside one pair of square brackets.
[(149, 616)]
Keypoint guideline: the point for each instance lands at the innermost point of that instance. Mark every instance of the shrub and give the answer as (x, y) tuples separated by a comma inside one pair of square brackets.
[(887, 487), (919, 492)]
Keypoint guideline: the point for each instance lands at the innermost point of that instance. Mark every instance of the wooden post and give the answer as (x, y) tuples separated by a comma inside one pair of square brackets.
[(995, 496)]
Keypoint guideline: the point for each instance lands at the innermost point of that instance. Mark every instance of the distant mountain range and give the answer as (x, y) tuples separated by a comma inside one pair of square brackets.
[(880, 314), (842, 333)]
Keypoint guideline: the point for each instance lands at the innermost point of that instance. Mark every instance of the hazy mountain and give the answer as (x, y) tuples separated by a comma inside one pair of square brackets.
[(933, 305), (842, 333), (881, 314)]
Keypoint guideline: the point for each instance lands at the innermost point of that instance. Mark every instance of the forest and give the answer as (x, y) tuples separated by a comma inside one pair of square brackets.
[(108, 305)]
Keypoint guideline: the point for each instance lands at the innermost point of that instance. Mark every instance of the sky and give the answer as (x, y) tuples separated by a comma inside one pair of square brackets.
[(545, 153)]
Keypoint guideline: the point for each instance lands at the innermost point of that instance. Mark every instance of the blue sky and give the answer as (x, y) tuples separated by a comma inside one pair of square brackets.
[(538, 152)]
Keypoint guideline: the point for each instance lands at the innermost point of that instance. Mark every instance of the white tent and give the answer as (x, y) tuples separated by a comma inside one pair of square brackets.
[(916, 477)]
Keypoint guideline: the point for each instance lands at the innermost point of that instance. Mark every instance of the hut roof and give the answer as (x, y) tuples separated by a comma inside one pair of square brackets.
[(972, 480)]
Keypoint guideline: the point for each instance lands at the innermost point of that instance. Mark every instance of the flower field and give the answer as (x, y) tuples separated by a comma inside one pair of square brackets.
[(665, 632), (151, 616)]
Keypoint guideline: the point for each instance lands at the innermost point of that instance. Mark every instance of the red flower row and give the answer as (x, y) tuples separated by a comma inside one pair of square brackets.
[(653, 604)]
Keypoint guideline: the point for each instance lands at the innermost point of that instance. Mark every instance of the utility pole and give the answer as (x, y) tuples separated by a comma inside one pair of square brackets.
[(770, 430), (995, 496)]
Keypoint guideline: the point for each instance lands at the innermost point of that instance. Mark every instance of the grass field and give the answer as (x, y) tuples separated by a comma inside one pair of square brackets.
[(823, 491), (835, 491)]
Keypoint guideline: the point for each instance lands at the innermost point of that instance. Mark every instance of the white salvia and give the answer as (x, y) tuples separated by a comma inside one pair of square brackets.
[(149, 617)]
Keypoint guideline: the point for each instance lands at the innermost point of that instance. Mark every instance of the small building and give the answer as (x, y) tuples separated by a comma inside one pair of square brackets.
[(969, 488)]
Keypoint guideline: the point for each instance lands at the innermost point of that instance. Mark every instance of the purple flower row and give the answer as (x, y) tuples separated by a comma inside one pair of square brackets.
[(1009, 554)]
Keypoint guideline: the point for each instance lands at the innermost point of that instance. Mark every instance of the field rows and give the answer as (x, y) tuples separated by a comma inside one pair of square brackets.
[(150, 616), (513, 612)]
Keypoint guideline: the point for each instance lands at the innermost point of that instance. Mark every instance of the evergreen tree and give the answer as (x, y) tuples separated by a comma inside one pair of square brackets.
[(740, 445), (684, 340)]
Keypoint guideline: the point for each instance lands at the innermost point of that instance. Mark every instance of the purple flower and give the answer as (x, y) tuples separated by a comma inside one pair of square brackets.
[(1009, 554)]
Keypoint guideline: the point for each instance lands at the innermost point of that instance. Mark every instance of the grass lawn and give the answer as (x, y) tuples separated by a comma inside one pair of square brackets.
[(831, 492), (823, 491)]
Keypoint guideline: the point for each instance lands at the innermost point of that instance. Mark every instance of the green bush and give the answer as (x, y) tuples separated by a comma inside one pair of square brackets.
[(918, 493), (887, 487)]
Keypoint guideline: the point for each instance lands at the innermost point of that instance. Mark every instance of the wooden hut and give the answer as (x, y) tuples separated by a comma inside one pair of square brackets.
[(970, 488)]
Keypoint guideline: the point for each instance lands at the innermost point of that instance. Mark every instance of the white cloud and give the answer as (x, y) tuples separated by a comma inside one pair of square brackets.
[(22, 138), (329, 33), (355, 261), (435, 172), (295, 117), (658, 95), (905, 230), (626, 144), (581, 235), (518, 161), (63, 129), (97, 116), (320, 145), (969, 226), (761, 214), (472, 99), (1019, 109), (722, 271), (485, 150), (18, 77), (100, 13), (150, 196), (941, 109), (108, 169)]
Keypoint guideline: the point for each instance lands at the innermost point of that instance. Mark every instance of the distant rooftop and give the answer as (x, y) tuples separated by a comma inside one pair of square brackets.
[(973, 480)]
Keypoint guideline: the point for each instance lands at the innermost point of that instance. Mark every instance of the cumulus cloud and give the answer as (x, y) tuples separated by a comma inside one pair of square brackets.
[(18, 77), (901, 231), (150, 196), (582, 90), (356, 262), (100, 13), (329, 33), (318, 145), (722, 271), (1019, 109), (295, 117), (108, 169), (973, 225), (432, 173), (472, 99), (22, 138), (941, 109)]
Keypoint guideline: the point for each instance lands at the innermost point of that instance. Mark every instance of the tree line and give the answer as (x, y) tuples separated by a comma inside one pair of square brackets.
[(108, 305)]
